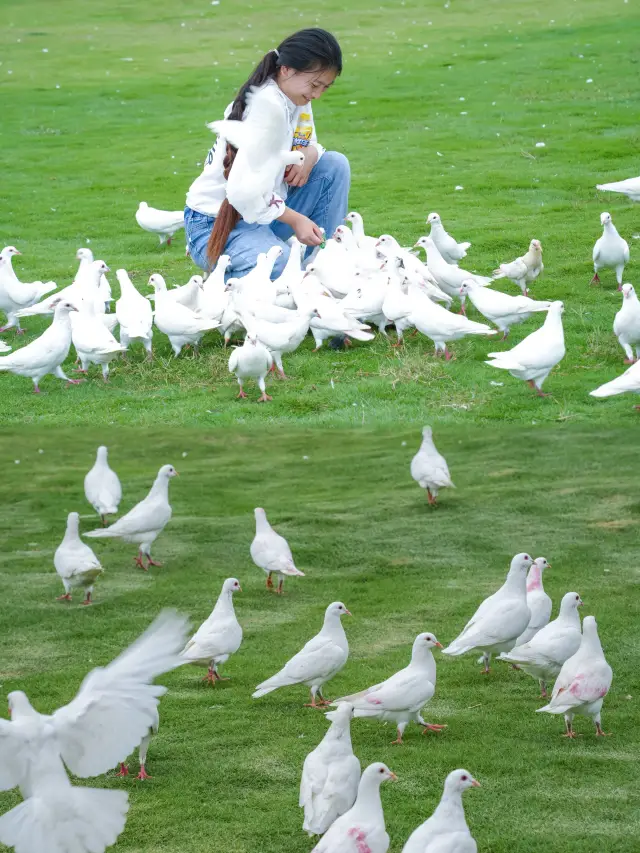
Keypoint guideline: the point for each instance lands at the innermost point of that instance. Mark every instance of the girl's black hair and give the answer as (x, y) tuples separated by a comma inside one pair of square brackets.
[(312, 49)]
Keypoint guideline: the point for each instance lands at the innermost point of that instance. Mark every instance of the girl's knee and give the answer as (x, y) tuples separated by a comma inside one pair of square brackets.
[(337, 163)]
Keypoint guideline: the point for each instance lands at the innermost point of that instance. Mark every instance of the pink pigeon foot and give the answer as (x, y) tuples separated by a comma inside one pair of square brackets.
[(74, 382), (153, 563), (595, 279), (241, 395), (264, 398), (88, 599), (124, 770), (66, 597), (138, 561), (142, 775), (432, 727), (599, 732)]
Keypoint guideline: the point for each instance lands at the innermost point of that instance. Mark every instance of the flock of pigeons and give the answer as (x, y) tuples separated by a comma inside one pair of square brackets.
[(340, 803), (352, 283)]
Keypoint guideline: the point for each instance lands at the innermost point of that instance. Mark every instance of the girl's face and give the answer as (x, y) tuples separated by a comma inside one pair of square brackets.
[(303, 86)]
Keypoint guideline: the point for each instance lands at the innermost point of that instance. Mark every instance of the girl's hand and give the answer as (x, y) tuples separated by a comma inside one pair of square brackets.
[(297, 176), (307, 231)]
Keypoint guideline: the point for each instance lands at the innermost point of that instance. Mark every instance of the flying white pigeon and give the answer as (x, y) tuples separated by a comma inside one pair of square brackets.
[(626, 325), (134, 313), (271, 552), (317, 662), (501, 309), (47, 353), (102, 487), (500, 619), (534, 358), (543, 655), (16, 295), (362, 828), (450, 249), (357, 225), (75, 562), (330, 774), (610, 251), (164, 223), (629, 187), (219, 636), (401, 697), (429, 468), (524, 269), (583, 682), (262, 141), (142, 751), (538, 601), (181, 325), (106, 720), (85, 256), (251, 361), (146, 521), (446, 831)]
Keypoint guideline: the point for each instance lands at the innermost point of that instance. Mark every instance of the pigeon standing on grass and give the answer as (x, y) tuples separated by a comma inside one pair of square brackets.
[(610, 251), (47, 353), (271, 552), (626, 325), (538, 601), (534, 358), (583, 682), (16, 295), (164, 223), (102, 487), (500, 619), (446, 831), (85, 256), (106, 720), (251, 361), (219, 636), (524, 269), (499, 308), (627, 381), (134, 314), (75, 562), (317, 662), (330, 774), (451, 251), (429, 468), (142, 751), (362, 828), (146, 521), (543, 655)]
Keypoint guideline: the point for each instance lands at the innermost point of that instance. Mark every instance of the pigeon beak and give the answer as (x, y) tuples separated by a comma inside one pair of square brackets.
[(176, 473), (239, 588), (439, 645), (17, 252), (378, 243), (619, 287), (106, 268), (476, 784), (549, 566), (580, 603), (348, 612), (392, 777)]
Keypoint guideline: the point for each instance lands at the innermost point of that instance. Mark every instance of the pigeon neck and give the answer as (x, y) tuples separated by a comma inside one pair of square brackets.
[(516, 581), (427, 443), (424, 659), (534, 578), (160, 487), (357, 226), (71, 533), (591, 641), (368, 800), (610, 229), (224, 604), (262, 525), (570, 615), (332, 626), (450, 811), (340, 730)]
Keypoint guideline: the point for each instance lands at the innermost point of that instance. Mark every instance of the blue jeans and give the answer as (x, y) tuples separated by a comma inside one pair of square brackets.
[(324, 199)]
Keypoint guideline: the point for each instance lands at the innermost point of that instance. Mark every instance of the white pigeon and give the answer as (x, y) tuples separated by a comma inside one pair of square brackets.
[(282, 338), (317, 662), (357, 225), (629, 381), (256, 284), (271, 552), (181, 325), (134, 313), (501, 309), (335, 268), (538, 601), (446, 831), (364, 257), (102, 487), (610, 251), (83, 289), (75, 562), (164, 223), (219, 636), (534, 358), (291, 275), (626, 325), (262, 154), (583, 682), (146, 521), (105, 721), (450, 249), (142, 751), (214, 297), (85, 256), (500, 619), (362, 828), (16, 295), (397, 306), (629, 187), (92, 340), (429, 468), (388, 248), (524, 269), (189, 294), (47, 353), (401, 697), (251, 361), (330, 774), (4, 347), (449, 277), (543, 655)]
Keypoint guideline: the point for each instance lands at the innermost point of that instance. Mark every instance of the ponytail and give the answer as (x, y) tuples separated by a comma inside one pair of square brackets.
[(307, 50)]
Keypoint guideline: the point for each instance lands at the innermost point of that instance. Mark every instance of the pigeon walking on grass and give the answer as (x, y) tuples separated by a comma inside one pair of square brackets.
[(450, 249), (142, 751), (271, 552), (626, 325), (610, 251), (102, 487), (525, 269), (429, 468), (164, 223), (75, 562), (251, 361)]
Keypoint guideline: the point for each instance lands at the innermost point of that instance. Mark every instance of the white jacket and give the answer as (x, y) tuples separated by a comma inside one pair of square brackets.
[(208, 191)]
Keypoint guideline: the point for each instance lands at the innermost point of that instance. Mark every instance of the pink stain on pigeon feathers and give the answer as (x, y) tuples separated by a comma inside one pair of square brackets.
[(360, 838)]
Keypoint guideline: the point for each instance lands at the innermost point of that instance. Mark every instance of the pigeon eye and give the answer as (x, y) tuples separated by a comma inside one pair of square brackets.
[(527, 557), (464, 778), (381, 770), (577, 598)]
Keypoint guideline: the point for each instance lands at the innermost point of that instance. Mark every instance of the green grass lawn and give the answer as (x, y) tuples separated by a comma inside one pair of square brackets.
[(106, 105), (226, 768)]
